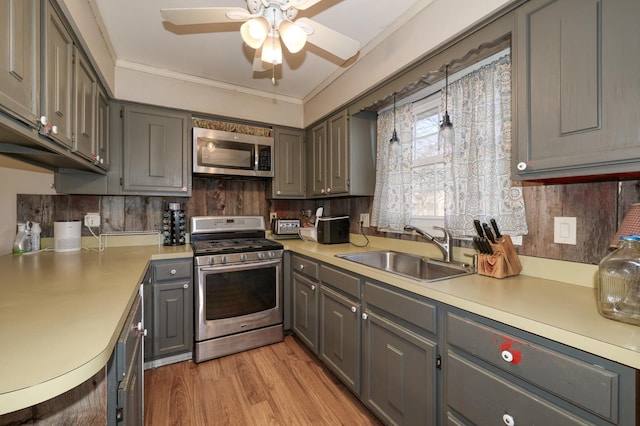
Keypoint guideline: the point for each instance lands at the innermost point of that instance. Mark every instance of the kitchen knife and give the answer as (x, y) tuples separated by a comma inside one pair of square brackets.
[(495, 228), (478, 245), (488, 233), (476, 223)]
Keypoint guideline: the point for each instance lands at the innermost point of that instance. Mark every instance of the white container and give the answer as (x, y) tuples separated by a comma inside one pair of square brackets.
[(66, 236)]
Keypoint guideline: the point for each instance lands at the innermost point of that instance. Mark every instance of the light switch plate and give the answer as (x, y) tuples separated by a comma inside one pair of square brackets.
[(564, 230)]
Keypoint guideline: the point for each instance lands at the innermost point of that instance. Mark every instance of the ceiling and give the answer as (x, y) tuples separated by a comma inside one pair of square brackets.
[(141, 39)]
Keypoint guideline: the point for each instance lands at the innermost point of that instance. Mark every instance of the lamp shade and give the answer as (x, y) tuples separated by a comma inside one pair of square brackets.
[(254, 31), (292, 36), (630, 224), (272, 51)]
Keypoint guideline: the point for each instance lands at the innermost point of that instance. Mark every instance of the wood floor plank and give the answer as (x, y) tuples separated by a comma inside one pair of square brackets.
[(279, 384)]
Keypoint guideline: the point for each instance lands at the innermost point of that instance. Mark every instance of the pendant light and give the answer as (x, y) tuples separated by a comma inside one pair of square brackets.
[(394, 136), (446, 126)]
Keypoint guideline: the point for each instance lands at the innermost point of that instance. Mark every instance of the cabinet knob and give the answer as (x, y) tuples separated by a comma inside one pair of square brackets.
[(508, 420), (507, 356), (185, 285), (279, 192), (522, 166), (173, 272), (141, 329), (364, 316), (313, 287), (44, 120), (328, 190), (322, 191), (301, 267), (354, 309), (54, 130)]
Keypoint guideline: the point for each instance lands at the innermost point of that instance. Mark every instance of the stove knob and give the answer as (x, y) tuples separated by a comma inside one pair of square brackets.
[(243, 257), (272, 255), (261, 255), (223, 259)]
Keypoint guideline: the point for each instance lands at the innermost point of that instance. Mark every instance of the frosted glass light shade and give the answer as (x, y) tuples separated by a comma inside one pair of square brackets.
[(272, 51), (292, 36), (254, 32)]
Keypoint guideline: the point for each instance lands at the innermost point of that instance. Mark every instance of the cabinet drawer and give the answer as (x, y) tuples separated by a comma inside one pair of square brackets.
[(341, 281), (304, 266), (590, 387), (410, 309), (172, 270), (487, 399)]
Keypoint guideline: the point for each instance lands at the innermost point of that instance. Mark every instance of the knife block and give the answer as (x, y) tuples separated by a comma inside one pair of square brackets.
[(504, 262)]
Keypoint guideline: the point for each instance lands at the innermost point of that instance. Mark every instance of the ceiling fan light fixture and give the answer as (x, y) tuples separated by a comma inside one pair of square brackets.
[(292, 36), (272, 51), (254, 32)]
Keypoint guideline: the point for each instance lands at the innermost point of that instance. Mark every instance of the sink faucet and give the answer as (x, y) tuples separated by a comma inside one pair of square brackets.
[(444, 243)]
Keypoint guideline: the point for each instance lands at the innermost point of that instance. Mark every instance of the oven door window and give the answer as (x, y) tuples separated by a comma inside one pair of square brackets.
[(238, 293), (227, 154)]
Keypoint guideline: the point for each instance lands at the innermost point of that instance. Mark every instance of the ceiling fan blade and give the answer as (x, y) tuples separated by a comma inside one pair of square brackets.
[(327, 39), (303, 4), (204, 15)]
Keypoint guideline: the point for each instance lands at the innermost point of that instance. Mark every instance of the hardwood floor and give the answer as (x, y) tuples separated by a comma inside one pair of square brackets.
[(279, 384)]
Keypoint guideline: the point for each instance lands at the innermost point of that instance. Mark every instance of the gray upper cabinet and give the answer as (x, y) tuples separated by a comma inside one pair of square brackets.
[(86, 92), (341, 156), (57, 71), (20, 67), (156, 156), (577, 80), (101, 148), (289, 161)]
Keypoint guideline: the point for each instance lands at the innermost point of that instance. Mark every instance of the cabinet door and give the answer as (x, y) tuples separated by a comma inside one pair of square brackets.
[(85, 107), (19, 47), (172, 329), (101, 148), (131, 392), (57, 77), (577, 88), (305, 310), (399, 383), (338, 154), (289, 176), (156, 154), (316, 158), (340, 336)]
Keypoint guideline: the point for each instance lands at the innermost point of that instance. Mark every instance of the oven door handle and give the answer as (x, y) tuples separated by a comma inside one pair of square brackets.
[(251, 265)]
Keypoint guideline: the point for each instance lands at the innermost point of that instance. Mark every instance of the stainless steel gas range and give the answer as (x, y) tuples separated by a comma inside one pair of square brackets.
[(238, 285)]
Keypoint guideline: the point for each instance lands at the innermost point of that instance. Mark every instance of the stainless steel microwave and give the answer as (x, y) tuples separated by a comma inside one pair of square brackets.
[(217, 152)]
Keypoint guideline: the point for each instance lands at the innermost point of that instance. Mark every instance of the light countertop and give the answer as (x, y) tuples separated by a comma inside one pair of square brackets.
[(61, 314), (563, 312)]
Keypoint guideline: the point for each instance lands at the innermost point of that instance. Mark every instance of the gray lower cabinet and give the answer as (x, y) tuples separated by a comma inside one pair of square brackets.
[(169, 315), (340, 325), (400, 356), (125, 373), (305, 300), (496, 374), (576, 85), (289, 167), (19, 69)]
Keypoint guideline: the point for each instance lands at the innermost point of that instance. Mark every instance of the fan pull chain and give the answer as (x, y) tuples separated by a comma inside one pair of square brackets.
[(273, 76)]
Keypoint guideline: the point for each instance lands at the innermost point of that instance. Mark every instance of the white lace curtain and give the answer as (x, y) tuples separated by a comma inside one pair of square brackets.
[(477, 166), (391, 208)]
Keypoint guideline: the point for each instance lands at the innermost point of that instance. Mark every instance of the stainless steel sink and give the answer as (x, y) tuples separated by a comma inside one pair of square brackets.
[(409, 265)]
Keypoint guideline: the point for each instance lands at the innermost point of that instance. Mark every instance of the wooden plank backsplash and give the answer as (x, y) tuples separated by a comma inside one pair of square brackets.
[(598, 206)]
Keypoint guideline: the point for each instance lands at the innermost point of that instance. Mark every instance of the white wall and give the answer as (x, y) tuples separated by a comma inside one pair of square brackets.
[(18, 178)]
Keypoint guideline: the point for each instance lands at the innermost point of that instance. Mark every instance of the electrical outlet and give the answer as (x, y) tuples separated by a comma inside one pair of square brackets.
[(92, 220), (273, 215), (364, 218)]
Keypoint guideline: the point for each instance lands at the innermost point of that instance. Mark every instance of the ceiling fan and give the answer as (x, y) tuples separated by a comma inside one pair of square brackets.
[(267, 22)]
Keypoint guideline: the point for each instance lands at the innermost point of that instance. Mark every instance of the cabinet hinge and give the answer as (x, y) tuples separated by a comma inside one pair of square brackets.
[(120, 181), (439, 362), (121, 113)]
